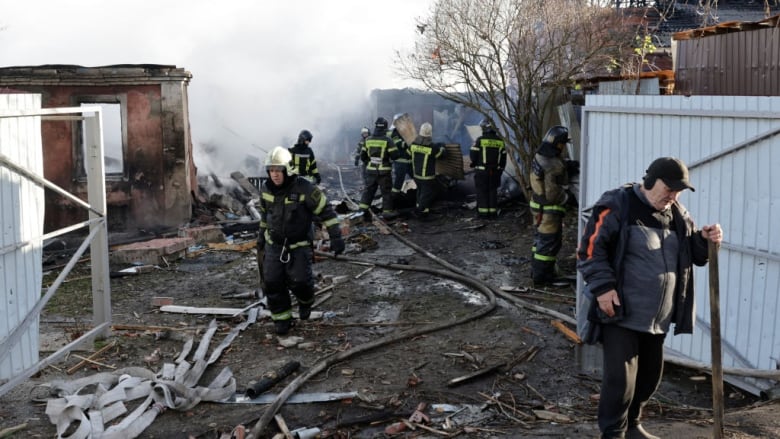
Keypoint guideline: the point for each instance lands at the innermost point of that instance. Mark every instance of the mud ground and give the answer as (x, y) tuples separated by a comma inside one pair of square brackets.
[(536, 384)]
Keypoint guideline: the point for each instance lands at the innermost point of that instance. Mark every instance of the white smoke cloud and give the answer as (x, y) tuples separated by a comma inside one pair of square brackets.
[(262, 71)]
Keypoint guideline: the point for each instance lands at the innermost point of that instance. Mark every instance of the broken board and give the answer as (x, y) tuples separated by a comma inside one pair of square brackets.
[(296, 398), (405, 127), (451, 163)]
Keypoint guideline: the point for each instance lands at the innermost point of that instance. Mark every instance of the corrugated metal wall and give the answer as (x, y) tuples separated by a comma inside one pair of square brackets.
[(738, 63), (21, 219), (732, 147)]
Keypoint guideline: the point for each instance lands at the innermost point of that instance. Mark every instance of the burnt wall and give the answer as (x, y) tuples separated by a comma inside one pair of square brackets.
[(153, 190)]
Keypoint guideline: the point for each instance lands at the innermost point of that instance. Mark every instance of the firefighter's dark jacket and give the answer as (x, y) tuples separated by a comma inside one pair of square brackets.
[(378, 153), (603, 246), (488, 152), (287, 211), (424, 154), (303, 160), (403, 149)]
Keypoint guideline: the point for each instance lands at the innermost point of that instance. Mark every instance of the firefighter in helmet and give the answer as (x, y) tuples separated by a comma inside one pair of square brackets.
[(424, 154), (364, 133), (378, 153), (402, 166), (288, 206), (549, 202), (303, 158), (488, 158)]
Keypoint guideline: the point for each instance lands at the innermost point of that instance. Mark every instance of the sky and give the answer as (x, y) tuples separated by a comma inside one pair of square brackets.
[(262, 69)]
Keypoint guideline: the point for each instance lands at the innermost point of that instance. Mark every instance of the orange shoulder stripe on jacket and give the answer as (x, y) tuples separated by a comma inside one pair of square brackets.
[(592, 240)]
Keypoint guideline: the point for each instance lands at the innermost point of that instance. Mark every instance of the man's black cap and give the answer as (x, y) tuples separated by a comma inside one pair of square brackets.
[(671, 171)]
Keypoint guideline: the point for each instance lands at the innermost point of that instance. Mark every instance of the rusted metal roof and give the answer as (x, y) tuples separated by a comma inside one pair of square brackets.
[(729, 59), (727, 27)]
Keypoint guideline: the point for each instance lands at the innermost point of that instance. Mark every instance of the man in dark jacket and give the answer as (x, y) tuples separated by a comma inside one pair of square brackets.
[(304, 163), (636, 257), (378, 153), (287, 207), (488, 158)]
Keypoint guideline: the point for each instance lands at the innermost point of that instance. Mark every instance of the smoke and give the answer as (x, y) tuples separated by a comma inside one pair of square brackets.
[(262, 71)]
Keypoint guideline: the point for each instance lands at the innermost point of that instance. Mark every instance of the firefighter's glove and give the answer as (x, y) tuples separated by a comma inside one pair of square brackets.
[(337, 245), (357, 160), (317, 178), (471, 165), (572, 167)]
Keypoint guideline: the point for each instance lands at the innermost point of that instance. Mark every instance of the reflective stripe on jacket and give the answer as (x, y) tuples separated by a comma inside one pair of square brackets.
[(377, 154), (424, 155), (488, 152)]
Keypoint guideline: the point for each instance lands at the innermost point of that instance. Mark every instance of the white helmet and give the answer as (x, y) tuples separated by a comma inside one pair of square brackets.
[(280, 156), (426, 130)]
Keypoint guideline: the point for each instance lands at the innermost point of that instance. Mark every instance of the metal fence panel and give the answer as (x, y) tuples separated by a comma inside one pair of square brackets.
[(21, 219)]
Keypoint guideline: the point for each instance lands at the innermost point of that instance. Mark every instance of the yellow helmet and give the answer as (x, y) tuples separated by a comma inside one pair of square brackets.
[(280, 156)]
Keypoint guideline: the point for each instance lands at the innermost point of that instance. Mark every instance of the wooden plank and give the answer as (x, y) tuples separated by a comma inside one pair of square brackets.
[(451, 164), (405, 127), (718, 407)]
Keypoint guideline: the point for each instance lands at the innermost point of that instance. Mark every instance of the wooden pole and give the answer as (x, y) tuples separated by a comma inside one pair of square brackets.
[(717, 365)]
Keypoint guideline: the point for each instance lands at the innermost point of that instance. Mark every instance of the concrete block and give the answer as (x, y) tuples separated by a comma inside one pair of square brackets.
[(162, 301), (203, 234), (151, 252)]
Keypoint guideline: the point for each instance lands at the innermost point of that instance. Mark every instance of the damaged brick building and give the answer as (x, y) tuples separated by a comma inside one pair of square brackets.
[(150, 173)]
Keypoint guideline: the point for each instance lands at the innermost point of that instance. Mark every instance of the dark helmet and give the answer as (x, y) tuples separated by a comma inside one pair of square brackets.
[(486, 125), (554, 141), (380, 124), (304, 136)]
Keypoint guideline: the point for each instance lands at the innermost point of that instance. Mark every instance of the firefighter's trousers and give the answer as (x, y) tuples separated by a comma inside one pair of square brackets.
[(486, 182), (287, 271), (384, 182), (548, 239)]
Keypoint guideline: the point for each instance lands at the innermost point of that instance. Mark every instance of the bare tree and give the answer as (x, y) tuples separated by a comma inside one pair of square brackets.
[(511, 60)]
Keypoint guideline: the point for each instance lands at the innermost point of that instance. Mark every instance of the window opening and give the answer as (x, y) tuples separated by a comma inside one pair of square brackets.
[(113, 150)]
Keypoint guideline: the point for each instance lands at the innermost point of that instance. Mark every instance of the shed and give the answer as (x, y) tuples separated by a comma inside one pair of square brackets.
[(150, 173)]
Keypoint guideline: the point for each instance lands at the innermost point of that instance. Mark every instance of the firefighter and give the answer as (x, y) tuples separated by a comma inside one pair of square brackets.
[(303, 158), (549, 203), (488, 158), (424, 154), (364, 133), (378, 153), (402, 166), (288, 206)]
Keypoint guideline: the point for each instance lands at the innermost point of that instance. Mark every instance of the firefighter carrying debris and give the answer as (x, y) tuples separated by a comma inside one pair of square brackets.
[(288, 205), (424, 153)]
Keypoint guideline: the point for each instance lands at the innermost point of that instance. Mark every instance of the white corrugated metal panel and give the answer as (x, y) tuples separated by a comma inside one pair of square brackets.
[(648, 86), (732, 147), (21, 218)]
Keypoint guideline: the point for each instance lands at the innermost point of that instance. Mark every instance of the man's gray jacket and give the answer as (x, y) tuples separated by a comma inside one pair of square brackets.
[(600, 256)]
